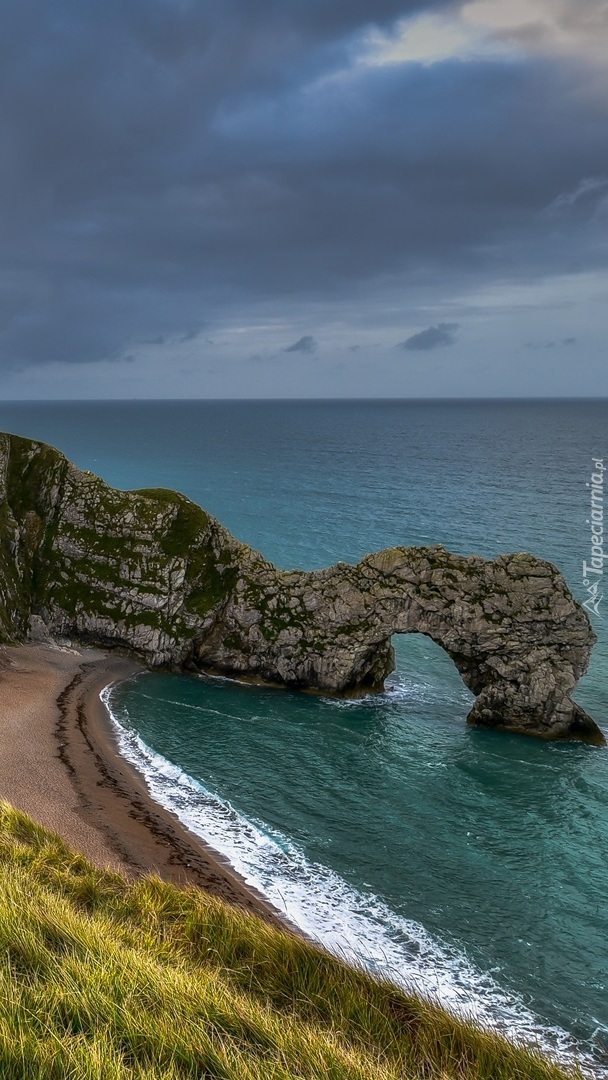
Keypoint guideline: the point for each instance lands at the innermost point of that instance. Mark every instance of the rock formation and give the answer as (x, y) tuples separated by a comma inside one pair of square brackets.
[(152, 572)]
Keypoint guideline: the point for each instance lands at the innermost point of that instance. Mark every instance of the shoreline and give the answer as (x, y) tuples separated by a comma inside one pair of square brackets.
[(60, 763)]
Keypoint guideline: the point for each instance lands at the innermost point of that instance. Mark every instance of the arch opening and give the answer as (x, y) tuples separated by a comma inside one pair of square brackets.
[(418, 656)]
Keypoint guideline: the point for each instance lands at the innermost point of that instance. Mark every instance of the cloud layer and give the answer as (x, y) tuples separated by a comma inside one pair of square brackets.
[(170, 167)]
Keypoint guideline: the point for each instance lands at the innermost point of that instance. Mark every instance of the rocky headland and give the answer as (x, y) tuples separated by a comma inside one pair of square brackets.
[(153, 573)]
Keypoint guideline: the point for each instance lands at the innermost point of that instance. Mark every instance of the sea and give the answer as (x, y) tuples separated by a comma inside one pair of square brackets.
[(470, 865)]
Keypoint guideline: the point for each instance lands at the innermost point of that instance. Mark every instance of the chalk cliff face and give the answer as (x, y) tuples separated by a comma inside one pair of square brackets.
[(152, 572)]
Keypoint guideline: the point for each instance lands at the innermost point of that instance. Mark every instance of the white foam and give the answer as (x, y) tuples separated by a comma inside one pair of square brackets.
[(351, 923)]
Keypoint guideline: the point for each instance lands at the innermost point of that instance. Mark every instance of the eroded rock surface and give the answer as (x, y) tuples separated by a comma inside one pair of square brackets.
[(152, 572)]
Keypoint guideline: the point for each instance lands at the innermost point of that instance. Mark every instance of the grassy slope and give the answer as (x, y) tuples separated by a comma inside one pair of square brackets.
[(102, 978)]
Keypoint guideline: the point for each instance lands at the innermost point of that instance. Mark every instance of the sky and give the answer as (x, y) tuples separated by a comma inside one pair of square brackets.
[(303, 198)]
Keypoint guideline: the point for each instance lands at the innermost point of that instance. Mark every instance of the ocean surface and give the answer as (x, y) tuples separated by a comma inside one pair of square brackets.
[(471, 864)]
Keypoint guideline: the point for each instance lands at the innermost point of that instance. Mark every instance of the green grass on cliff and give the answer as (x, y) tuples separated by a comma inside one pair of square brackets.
[(104, 979)]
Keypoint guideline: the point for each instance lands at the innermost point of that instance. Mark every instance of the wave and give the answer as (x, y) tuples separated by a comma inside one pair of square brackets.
[(353, 924)]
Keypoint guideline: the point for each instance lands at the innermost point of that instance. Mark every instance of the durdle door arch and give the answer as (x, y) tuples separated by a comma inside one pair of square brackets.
[(514, 632)]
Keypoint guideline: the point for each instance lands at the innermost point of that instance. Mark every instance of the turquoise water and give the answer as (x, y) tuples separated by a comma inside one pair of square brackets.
[(473, 863)]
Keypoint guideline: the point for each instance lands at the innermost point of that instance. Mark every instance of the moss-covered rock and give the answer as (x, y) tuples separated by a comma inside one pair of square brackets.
[(152, 572)]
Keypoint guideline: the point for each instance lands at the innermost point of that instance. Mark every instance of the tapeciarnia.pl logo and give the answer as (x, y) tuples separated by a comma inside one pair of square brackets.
[(593, 572)]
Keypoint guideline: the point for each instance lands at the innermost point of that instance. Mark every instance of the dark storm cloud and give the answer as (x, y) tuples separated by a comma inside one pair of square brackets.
[(306, 344), (164, 162), (433, 338), (568, 341)]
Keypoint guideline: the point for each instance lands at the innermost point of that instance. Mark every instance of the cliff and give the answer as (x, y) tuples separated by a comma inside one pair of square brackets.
[(152, 572)]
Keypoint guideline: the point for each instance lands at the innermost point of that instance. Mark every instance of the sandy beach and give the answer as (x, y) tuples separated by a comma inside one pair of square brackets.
[(59, 763)]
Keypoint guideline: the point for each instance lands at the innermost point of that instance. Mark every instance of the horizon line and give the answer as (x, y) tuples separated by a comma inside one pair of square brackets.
[(298, 400)]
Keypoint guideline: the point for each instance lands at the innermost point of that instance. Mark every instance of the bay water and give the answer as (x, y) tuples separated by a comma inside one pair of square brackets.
[(470, 864)]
